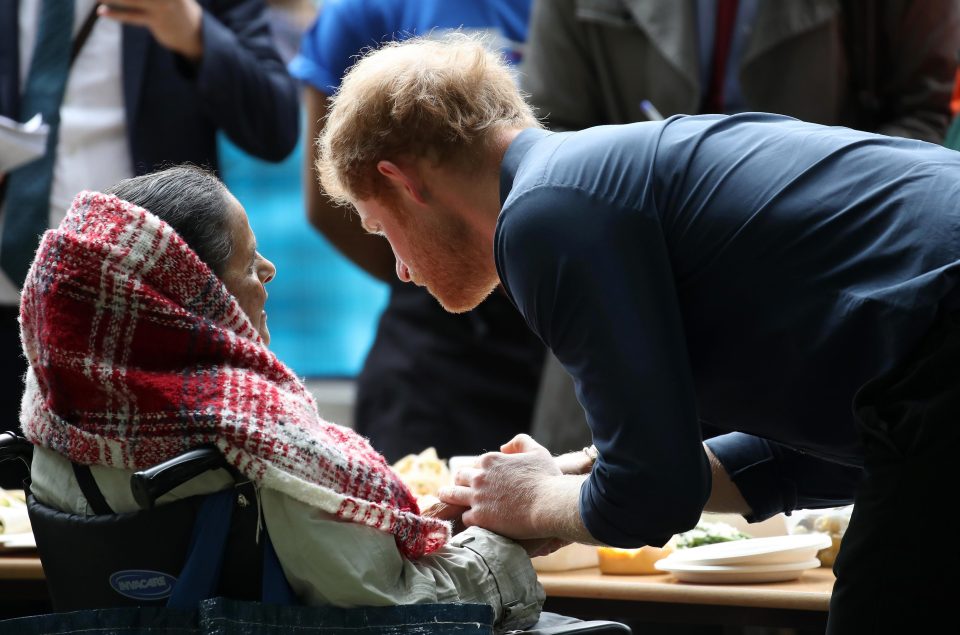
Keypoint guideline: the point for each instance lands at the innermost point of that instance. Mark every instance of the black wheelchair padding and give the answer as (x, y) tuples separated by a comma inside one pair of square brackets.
[(126, 560), (133, 559)]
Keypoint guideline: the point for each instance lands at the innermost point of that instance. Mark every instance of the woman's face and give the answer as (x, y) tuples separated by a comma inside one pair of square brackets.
[(246, 273)]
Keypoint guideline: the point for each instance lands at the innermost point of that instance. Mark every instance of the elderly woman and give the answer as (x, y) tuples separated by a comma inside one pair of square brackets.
[(143, 322)]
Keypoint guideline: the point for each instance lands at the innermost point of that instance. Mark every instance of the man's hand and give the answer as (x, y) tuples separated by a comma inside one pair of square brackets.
[(578, 462), (506, 489), (175, 24)]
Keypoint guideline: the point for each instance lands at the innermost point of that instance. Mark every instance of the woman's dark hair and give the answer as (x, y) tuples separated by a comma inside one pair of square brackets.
[(192, 201)]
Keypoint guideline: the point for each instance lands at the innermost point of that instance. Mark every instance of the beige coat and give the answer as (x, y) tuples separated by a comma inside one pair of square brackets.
[(591, 62)]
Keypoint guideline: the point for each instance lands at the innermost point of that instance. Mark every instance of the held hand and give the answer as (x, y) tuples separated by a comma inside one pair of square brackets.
[(542, 546), (175, 24), (504, 489), (444, 511)]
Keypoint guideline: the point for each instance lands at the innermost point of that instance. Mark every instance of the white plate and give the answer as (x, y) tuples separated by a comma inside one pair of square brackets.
[(733, 574), (771, 550)]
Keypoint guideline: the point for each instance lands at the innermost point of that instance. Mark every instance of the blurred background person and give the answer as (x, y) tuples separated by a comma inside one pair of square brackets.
[(952, 140), (460, 383), (288, 21), (884, 66), (125, 89)]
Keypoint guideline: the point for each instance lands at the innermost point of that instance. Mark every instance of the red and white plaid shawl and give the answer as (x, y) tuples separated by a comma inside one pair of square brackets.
[(138, 352)]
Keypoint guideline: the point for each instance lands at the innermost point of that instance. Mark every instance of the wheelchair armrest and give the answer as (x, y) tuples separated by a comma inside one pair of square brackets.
[(14, 446), (591, 627), (150, 484)]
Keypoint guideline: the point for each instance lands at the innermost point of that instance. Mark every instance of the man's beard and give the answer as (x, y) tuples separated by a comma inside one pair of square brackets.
[(460, 273), (464, 298)]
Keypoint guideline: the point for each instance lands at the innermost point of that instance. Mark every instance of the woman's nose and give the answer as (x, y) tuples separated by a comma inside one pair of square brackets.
[(268, 270)]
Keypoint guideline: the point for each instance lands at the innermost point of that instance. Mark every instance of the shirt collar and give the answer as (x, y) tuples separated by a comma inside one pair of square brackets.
[(514, 156)]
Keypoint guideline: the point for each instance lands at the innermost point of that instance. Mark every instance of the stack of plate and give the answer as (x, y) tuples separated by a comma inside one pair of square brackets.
[(772, 559)]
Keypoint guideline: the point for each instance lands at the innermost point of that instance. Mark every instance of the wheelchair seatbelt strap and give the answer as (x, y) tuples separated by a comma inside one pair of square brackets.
[(91, 491), (200, 575), (274, 589)]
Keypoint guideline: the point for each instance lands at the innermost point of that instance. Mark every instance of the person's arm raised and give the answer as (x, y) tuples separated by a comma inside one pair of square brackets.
[(226, 50), (340, 225)]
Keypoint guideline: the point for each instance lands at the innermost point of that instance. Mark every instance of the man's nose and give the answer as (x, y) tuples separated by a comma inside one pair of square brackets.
[(402, 272)]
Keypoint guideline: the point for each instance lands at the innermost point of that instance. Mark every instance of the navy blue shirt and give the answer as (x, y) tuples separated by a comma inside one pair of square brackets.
[(750, 271)]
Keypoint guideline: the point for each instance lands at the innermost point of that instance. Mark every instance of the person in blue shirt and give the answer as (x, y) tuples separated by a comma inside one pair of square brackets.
[(459, 383), (792, 284)]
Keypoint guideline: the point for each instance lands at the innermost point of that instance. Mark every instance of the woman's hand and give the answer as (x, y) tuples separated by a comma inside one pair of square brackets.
[(542, 546), (445, 511)]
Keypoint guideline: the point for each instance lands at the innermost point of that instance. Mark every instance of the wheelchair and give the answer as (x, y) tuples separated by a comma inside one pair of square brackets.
[(177, 556)]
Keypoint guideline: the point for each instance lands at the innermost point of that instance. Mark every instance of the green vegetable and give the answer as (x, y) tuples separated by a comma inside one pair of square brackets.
[(708, 533)]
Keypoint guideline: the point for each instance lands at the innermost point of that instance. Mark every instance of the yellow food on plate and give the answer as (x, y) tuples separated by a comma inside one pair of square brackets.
[(835, 526), (423, 473), (632, 561)]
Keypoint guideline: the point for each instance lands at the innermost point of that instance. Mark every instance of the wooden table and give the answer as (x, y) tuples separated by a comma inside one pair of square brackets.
[(586, 593), (583, 593)]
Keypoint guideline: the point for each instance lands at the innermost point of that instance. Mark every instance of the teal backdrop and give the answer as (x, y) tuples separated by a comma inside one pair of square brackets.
[(322, 310)]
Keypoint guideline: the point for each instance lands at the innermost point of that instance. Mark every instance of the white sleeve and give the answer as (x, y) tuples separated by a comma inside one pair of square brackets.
[(328, 561)]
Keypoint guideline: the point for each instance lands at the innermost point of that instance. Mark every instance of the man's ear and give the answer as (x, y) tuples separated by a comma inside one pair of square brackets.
[(405, 179)]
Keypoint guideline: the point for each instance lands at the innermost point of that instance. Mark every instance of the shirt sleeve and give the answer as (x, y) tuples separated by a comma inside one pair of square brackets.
[(242, 82), (594, 281), (774, 478), (328, 561), (342, 30)]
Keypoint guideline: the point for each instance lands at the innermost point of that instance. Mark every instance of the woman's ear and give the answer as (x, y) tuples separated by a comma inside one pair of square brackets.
[(405, 179)]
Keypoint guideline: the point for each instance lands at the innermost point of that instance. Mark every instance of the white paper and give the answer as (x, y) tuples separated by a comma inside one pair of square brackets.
[(21, 143)]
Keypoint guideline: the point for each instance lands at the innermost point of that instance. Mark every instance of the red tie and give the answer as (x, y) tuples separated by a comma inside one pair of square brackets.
[(726, 16)]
